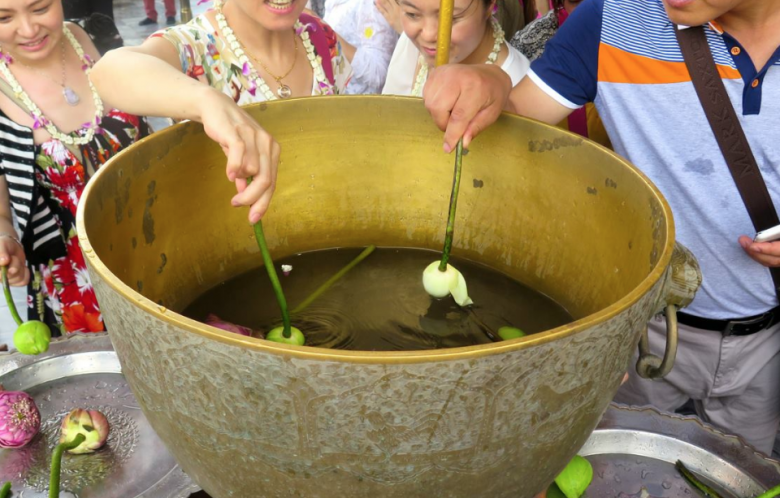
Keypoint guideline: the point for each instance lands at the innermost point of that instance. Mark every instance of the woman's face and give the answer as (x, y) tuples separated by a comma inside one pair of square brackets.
[(30, 29), (273, 15), (420, 20)]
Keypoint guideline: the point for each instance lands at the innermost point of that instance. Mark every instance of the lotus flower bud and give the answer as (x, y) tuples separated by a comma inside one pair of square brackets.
[(574, 480), (32, 337), (91, 424), (508, 333), (20, 420), (443, 283), (277, 335), (215, 321)]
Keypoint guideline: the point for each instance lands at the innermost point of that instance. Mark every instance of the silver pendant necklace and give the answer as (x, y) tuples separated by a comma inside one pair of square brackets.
[(70, 95)]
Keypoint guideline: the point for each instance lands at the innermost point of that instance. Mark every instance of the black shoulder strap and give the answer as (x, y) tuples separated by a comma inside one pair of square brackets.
[(728, 132)]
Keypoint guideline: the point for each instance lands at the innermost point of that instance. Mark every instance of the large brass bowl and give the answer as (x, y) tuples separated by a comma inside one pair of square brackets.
[(249, 418)]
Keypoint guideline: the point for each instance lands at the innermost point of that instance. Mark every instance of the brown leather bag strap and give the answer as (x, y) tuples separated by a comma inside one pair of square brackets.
[(728, 132)]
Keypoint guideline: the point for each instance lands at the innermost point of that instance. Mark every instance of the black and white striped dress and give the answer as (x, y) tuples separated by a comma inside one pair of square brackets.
[(45, 182)]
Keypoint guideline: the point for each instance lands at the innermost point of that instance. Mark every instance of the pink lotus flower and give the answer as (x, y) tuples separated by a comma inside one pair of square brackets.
[(215, 321), (20, 420), (91, 423)]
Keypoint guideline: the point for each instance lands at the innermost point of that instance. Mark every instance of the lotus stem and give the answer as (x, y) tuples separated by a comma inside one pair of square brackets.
[(56, 461), (10, 300), (767, 494), (691, 478), (274, 278), (332, 280), (5, 492), (445, 254)]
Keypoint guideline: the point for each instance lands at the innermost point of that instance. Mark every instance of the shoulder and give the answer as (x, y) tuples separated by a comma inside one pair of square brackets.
[(314, 24), (516, 64), (84, 40), (200, 28)]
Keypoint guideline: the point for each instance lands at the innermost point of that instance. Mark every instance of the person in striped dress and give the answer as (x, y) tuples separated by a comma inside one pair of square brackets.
[(54, 134)]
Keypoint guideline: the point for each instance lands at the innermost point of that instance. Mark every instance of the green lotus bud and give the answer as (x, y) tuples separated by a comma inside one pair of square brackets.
[(32, 337), (509, 333), (277, 335), (91, 424), (575, 478)]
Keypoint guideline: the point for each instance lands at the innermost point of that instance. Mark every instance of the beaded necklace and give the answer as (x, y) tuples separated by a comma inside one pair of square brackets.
[(248, 70), (41, 121), (422, 74)]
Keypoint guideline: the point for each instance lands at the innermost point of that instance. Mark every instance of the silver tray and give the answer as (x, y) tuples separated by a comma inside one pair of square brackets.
[(633, 452), (83, 371)]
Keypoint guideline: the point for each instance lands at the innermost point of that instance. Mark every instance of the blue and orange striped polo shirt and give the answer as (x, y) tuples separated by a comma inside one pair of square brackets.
[(624, 56)]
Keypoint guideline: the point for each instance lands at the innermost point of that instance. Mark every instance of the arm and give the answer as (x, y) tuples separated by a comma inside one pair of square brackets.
[(148, 80), (464, 100), (372, 58), (11, 251)]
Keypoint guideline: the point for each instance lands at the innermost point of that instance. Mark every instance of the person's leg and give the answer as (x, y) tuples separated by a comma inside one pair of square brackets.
[(105, 7), (745, 399), (170, 8), (151, 12), (691, 377)]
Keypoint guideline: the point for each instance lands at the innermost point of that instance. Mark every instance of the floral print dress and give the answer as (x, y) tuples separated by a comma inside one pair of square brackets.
[(60, 293), (207, 57)]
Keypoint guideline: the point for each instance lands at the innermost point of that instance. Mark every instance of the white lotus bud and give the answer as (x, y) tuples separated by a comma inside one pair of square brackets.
[(443, 283)]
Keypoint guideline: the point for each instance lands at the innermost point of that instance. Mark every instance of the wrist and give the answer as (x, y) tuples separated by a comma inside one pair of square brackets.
[(207, 99), (6, 235)]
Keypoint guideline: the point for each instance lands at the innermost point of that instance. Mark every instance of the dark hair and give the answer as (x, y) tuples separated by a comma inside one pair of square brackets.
[(511, 17)]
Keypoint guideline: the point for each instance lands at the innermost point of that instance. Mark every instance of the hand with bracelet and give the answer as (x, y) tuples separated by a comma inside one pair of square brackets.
[(12, 256)]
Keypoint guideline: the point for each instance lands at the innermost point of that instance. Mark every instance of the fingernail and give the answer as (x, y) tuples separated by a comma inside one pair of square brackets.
[(232, 176), (744, 243), (254, 218), (447, 148), (235, 203)]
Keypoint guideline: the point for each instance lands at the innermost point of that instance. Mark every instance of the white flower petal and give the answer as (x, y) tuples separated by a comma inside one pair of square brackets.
[(438, 283), (459, 291)]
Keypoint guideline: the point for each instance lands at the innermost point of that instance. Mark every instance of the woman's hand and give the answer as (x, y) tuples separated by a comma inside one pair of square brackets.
[(465, 99), (391, 12), (12, 256), (250, 150)]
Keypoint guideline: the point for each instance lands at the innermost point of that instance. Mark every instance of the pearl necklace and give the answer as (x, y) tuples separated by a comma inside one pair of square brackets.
[(249, 71), (39, 120), (422, 74)]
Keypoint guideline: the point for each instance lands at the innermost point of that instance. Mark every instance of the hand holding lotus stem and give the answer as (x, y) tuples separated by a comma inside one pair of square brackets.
[(31, 337)]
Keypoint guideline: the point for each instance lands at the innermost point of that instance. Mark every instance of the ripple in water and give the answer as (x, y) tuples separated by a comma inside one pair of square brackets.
[(380, 305)]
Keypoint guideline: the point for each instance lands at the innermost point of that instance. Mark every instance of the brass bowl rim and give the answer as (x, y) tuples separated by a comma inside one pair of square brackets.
[(375, 357)]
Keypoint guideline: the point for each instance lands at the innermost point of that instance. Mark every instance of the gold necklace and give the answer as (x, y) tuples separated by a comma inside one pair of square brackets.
[(283, 91)]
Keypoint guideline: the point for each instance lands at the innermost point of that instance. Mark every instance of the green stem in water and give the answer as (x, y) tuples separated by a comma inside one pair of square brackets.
[(274, 278), (770, 493), (5, 492), (8, 299), (691, 478), (332, 280), (56, 461), (445, 255), (269, 267)]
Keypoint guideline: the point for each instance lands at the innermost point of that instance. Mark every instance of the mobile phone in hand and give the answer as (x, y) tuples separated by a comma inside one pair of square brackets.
[(768, 235)]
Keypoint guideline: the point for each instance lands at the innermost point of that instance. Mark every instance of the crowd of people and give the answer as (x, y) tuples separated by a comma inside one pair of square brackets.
[(611, 70)]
